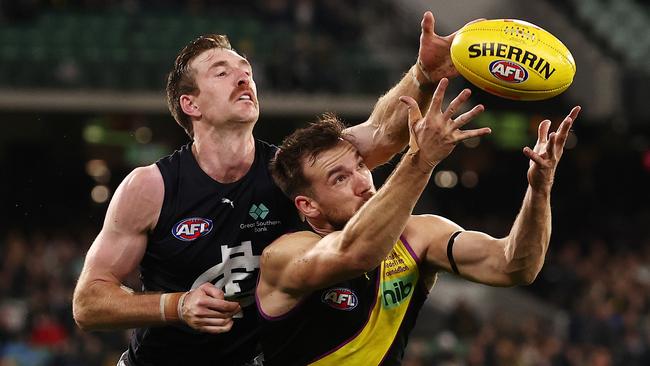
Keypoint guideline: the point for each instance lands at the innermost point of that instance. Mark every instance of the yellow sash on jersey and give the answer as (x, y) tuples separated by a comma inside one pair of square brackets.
[(399, 275)]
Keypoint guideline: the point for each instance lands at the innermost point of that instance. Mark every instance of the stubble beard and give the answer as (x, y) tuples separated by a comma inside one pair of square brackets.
[(338, 218)]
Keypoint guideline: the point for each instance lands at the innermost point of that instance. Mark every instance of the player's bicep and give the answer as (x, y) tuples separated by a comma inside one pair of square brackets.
[(133, 211), (321, 265), (472, 255), (477, 257), (113, 256), (303, 262)]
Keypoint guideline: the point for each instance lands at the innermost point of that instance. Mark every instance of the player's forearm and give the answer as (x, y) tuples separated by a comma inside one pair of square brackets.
[(529, 237), (389, 119), (374, 229), (102, 305)]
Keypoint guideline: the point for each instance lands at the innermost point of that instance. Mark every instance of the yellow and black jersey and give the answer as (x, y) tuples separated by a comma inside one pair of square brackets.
[(362, 321)]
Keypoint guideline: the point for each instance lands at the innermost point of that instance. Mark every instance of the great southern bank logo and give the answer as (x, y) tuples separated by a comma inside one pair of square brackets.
[(258, 211), (192, 228), (262, 222)]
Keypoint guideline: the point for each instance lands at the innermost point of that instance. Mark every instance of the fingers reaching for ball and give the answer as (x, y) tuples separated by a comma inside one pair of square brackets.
[(548, 150), (435, 134)]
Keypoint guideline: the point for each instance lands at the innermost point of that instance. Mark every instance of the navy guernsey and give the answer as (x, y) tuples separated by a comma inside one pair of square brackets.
[(210, 232)]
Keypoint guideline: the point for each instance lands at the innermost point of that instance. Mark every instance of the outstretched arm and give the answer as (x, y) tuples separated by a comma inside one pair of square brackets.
[(517, 258), (299, 263), (385, 133)]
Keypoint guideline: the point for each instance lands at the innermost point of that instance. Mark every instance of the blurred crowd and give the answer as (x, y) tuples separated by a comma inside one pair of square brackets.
[(295, 45), (37, 278)]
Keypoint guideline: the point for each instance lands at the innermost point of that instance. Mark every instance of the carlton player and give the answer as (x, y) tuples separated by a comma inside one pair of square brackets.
[(347, 290), (196, 222)]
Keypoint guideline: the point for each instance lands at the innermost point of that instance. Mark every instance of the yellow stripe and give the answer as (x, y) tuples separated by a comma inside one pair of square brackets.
[(399, 276)]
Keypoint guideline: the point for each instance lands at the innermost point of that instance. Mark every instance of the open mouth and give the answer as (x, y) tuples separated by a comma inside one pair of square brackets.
[(247, 97)]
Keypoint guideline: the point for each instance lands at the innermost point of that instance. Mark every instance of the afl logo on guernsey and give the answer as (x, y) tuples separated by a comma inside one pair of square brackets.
[(340, 298), (508, 71), (192, 228)]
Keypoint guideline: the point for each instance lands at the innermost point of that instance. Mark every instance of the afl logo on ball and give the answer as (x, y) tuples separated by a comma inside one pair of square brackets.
[(508, 71), (192, 228), (340, 298)]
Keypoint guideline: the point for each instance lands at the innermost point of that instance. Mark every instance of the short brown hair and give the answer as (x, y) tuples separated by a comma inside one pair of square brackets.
[(181, 79), (305, 143)]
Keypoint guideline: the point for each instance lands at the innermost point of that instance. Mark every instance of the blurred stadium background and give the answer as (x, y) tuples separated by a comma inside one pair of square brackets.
[(81, 104)]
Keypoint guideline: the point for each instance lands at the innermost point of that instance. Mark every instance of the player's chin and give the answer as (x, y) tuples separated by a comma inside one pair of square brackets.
[(249, 116)]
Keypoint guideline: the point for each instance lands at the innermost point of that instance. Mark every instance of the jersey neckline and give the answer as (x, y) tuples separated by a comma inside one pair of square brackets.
[(251, 169)]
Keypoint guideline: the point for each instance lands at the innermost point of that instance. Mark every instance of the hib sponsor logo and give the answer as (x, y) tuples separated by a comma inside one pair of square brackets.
[(192, 228), (340, 298), (394, 292), (508, 71)]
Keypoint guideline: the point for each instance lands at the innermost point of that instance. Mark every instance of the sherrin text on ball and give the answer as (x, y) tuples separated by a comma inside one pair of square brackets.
[(513, 59)]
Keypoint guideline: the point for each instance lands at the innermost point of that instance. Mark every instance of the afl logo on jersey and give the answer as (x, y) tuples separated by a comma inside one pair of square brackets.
[(340, 298), (192, 228)]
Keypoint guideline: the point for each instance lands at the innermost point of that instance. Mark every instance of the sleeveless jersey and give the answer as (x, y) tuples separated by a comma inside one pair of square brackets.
[(363, 321), (210, 232)]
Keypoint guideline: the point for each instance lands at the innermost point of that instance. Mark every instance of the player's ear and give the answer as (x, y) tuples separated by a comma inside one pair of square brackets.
[(307, 206), (189, 106)]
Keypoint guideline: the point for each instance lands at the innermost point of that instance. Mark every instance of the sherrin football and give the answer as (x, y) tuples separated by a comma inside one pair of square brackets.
[(513, 59)]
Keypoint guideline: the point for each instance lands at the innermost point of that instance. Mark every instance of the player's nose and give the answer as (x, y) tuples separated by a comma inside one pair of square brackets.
[(362, 184), (243, 79)]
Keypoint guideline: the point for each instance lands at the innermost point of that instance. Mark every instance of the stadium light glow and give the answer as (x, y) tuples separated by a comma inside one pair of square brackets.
[(98, 170), (143, 135), (446, 179), (100, 194), (469, 179)]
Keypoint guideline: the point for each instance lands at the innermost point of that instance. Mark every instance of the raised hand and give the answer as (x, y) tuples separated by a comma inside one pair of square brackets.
[(548, 150), (205, 309), (436, 134), (434, 56)]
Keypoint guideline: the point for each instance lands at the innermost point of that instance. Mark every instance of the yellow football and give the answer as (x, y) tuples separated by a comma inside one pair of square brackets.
[(513, 59)]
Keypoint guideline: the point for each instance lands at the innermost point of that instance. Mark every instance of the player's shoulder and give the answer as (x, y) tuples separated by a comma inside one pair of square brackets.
[(417, 221), (138, 200), (429, 227), (143, 187), (149, 174), (145, 180)]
